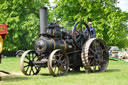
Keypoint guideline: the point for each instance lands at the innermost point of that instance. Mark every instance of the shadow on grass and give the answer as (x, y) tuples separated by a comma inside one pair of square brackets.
[(113, 70), (14, 78), (76, 72), (82, 72), (46, 74), (69, 73)]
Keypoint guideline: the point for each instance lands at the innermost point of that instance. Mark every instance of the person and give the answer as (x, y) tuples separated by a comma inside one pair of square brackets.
[(110, 53), (92, 30), (124, 54)]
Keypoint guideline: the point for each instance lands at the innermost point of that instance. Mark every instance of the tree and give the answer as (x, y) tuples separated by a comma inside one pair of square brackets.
[(22, 19), (108, 20)]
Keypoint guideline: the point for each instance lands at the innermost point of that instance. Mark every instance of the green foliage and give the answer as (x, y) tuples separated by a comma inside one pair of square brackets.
[(22, 19), (109, 21)]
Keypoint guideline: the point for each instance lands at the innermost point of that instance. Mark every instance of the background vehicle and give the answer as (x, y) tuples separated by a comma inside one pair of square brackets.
[(113, 51), (3, 32), (19, 53)]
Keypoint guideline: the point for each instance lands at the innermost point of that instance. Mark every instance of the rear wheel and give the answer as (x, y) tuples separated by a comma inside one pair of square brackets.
[(95, 55)]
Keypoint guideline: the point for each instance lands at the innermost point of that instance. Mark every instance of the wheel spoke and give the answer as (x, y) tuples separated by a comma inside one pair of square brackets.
[(81, 42), (94, 67), (28, 57), (36, 68), (55, 69), (30, 72), (26, 62), (91, 56), (99, 67), (92, 50), (60, 57), (91, 63), (93, 45), (26, 66), (58, 71), (77, 40), (77, 32), (63, 61), (33, 57), (27, 69), (103, 50), (32, 69)]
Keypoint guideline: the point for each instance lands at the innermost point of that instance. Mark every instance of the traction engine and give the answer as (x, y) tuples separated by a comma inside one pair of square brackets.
[(62, 51)]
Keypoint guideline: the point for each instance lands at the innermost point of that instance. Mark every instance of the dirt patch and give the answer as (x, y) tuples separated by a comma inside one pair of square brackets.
[(10, 74)]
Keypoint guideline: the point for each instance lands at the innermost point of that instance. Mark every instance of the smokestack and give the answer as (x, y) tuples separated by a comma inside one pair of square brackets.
[(43, 20)]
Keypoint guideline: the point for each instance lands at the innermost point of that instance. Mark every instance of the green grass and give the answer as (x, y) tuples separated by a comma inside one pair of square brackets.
[(116, 74)]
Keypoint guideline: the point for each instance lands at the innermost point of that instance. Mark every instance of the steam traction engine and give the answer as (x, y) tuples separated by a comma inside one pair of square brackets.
[(61, 51)]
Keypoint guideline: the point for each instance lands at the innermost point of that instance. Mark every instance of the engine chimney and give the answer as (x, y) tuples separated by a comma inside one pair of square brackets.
[(43, 20)]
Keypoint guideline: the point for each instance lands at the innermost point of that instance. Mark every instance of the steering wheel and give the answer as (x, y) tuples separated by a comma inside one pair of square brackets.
[(80, 33)]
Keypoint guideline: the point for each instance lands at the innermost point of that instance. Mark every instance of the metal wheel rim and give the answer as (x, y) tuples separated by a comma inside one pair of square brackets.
[(50, 65), (25, 68), (87, 61)]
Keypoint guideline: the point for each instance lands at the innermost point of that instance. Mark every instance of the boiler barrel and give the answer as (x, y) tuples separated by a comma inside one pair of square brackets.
[(61, 44), (48, 45)]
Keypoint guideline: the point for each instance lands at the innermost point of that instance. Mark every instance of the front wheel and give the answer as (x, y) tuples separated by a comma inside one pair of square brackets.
[(26, 63)]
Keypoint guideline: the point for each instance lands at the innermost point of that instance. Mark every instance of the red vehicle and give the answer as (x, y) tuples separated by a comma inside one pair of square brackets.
[(3, 32)]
